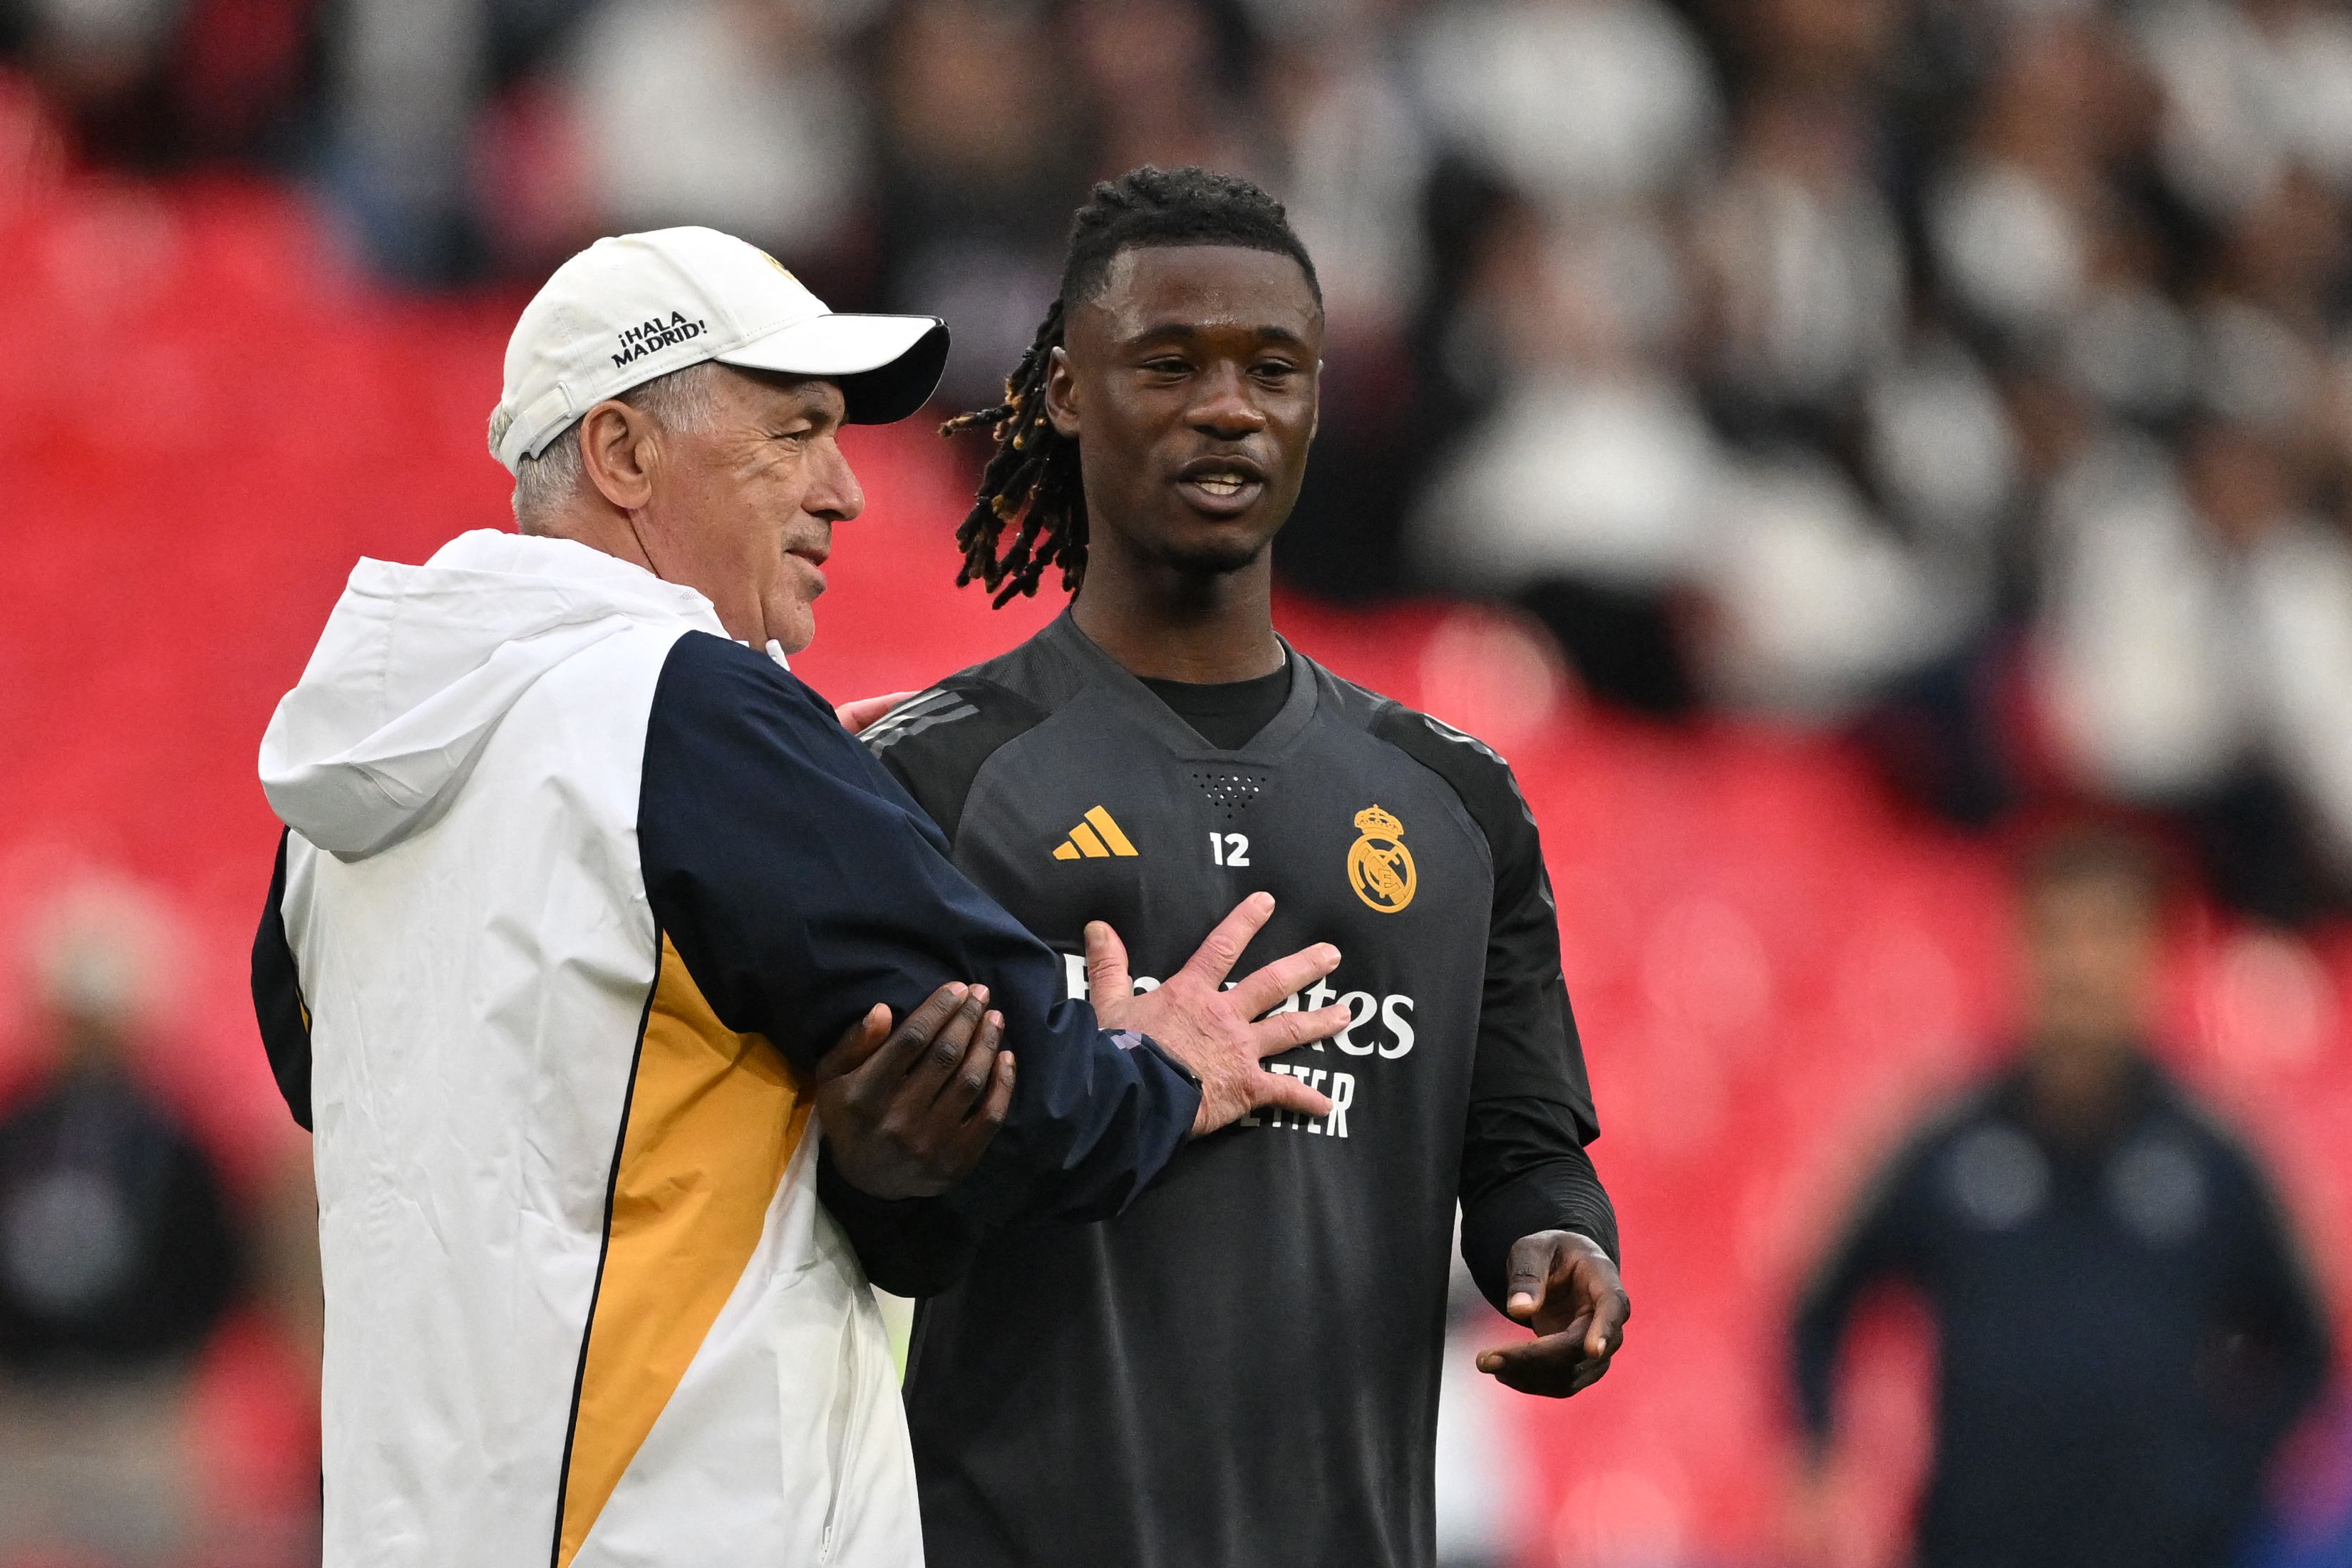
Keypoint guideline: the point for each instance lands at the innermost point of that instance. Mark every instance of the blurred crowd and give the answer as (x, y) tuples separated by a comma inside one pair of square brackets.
[(1975, 376)]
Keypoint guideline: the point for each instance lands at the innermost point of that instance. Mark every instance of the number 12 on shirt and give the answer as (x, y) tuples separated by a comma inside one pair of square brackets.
[(1229, 848)]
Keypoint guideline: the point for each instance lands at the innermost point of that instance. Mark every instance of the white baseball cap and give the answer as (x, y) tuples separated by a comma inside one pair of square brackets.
[(631, 308)]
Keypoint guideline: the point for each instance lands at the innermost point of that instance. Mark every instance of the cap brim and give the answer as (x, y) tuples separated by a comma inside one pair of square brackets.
[(887, 367)]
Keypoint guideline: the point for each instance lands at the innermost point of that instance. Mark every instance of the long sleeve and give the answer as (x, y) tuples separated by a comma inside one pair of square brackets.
[(1524, 1166), (801, 885), (1524, 1171), (2278, 1306), (1872, 1247), (911, 1246), (932, 745)]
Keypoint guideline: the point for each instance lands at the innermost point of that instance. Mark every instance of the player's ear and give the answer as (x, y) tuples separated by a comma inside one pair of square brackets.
[(1061, 404), (1315, 425)]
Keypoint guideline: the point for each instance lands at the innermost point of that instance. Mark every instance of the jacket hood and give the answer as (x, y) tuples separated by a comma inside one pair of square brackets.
[(419, 664)]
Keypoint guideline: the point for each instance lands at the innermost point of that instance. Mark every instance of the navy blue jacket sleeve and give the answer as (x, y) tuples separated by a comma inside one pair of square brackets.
[(801, 885), (2274, 1302)]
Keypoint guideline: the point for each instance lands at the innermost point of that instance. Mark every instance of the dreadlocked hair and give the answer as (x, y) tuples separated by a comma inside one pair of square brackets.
[(1030, 484)]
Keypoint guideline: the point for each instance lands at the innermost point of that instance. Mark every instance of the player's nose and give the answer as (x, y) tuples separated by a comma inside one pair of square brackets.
[(1226, 410)]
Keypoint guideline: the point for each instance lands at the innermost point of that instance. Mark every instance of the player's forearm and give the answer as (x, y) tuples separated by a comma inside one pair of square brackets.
[(1095, 1118), (1552, 1190), (912, 1247), (1113, 1113)]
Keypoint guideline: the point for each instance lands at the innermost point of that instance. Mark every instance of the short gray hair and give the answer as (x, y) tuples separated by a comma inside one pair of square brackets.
[(682, 400)]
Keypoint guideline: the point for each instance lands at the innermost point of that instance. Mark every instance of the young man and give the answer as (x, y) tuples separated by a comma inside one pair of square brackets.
[(1243, 1367)]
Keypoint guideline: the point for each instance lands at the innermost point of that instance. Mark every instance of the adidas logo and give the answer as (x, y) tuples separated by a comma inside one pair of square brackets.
[(1097, 838)]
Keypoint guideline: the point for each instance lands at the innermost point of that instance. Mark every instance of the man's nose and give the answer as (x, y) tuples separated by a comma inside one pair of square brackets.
[(1227, 409), (833, 492)]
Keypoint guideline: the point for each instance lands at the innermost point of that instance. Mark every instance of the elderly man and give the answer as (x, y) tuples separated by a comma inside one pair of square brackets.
[(579, 882)]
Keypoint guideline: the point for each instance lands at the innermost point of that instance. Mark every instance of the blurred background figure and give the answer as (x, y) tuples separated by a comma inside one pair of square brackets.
[(119, 1258), (2126, 1328)]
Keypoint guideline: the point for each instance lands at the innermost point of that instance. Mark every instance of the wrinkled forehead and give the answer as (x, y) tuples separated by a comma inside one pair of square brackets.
[(766, 396), (1202, 288)]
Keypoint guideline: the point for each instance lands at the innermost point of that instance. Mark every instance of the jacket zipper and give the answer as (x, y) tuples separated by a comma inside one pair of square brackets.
[(853, 1365)]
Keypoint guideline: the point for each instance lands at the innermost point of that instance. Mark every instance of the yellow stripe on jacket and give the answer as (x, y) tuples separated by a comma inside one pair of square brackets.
[(714, 1118)]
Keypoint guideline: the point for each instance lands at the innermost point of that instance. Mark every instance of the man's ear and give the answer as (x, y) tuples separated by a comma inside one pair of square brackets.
[(1061, 403), (617, 452)]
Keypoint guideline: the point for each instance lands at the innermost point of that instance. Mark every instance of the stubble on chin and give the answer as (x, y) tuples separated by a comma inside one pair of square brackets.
[(792, 623)]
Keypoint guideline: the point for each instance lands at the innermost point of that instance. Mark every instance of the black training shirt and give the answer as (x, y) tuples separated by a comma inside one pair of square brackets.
[(1226, 714), (1243, 1367)]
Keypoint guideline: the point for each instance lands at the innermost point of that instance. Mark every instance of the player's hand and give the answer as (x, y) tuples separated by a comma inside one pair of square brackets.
[(1211, 1030), (1563, 1285), (907, 1112), (855, 716)]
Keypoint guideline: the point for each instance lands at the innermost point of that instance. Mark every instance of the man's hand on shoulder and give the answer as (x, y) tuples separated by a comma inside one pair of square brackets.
[(1564, 1287), (908, 1112), (1214, 1030)]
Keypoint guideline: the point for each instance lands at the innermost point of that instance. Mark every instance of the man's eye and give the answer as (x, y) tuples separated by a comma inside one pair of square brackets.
[(1166, 366)]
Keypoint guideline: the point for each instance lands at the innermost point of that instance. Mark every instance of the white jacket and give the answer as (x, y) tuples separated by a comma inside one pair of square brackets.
[(574, 891)]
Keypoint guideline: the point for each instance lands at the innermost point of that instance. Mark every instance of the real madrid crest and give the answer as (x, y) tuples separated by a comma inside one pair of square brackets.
[(1380, 867)]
